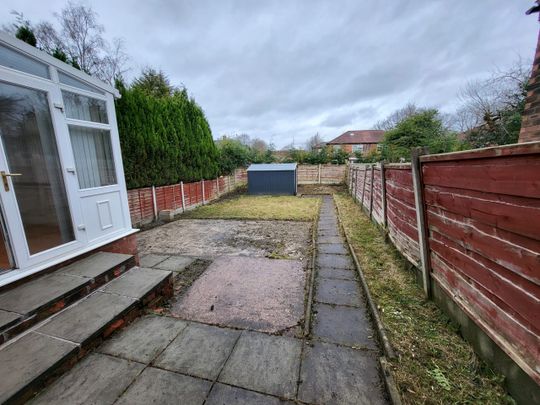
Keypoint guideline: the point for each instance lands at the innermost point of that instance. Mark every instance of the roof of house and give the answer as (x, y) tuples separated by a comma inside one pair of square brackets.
[(355, 137), (271, 167)]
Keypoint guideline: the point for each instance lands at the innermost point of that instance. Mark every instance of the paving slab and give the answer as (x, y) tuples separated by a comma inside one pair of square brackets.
[(95, 265), (162, 387), (151, 260), (333, 248), (343, 325), (175, 263), (27, 359), (264, 363), (224, 395), (323, 239), (339, 274), (328, 229), (245, 292), (338, 292), (88, 317), (36, 294), (136, 283), (200, 350), (144, 339), (339, 375), (335, 261), (7, 319), (98, 379), (328, 232)]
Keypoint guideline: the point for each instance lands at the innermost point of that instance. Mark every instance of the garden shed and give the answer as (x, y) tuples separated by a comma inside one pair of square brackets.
[(272, 179)]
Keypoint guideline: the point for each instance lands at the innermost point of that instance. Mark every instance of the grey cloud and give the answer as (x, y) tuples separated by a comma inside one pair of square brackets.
[(279, 70)]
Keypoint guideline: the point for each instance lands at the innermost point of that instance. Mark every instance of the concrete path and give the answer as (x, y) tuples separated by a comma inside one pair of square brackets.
[(165, 360)]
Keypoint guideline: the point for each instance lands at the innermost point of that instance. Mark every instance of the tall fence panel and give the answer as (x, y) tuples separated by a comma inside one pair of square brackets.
[(482, 215), (401, 211)]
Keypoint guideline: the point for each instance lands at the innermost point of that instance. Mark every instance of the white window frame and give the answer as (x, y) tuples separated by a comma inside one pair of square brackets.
[(29, 264)]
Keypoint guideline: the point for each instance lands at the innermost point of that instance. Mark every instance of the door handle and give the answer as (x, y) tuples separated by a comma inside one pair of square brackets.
[(5, 178)]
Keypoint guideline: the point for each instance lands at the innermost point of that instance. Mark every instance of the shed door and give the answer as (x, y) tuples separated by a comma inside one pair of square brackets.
[(37, 215)]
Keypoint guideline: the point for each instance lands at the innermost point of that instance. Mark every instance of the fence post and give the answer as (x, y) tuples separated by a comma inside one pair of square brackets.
[(183, 196), (319, 175), (383, 195), (421, 218), (154, 202), (371, 192), (202, 182)]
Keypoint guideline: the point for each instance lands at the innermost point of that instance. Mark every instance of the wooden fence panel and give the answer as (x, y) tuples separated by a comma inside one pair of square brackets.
[(377, 210), (401, 211), (308, 174), (483, 215)]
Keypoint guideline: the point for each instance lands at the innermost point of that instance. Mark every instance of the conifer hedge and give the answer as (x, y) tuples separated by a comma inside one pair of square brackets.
[(164, 139)]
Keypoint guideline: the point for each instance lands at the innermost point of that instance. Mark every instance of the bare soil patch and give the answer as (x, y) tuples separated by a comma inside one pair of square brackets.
[(211, 238)]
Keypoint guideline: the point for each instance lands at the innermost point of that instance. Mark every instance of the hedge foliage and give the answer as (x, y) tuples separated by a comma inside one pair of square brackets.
[(164, 139)]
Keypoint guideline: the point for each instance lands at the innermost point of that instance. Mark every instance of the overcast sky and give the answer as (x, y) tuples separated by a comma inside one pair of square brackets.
[(288, 69)]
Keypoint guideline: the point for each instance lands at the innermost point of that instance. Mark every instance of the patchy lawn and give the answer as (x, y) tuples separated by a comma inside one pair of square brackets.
[(435, 365), (259, 207)]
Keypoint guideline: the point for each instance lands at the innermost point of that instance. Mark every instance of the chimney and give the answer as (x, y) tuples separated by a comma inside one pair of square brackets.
[(530, 122)]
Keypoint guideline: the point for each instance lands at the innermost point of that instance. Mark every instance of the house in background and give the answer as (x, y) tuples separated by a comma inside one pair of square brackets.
[(63, 192), (357, 141)]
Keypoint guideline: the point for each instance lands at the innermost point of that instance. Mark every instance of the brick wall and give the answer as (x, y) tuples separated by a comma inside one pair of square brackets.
[(530, 124)]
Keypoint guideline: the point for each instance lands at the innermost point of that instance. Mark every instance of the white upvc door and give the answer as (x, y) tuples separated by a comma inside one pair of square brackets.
[(38, 187)]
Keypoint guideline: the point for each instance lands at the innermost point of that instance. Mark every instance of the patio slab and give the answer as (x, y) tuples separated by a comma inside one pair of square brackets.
[(338, 292), (86, 319), (264, 363), (7, 319), (97, 379), (339, 375), (95, 265), (151, 260), (26, 360), (343, 325), (175, 263), (224, 394), (335, 261), (162, 387), (339, 274), (323, 239), (145, 339), (244, 292), (200, 350), (36, 294), (333, 248), (136, 283)]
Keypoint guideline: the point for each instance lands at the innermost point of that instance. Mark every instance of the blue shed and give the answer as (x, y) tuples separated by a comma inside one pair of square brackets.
[(272, 179)]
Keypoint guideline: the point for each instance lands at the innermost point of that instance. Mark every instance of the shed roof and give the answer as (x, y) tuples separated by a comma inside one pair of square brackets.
[(272, 167)]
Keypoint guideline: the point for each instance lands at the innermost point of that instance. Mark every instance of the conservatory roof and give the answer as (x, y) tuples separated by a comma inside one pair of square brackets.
[(14, 44)]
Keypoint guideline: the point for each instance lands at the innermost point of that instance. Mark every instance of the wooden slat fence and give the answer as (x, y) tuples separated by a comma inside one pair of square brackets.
[(141, 201), (321, 174), (482, 220)]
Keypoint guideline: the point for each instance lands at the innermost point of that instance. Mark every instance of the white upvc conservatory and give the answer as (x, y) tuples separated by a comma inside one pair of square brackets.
[(62, 188)]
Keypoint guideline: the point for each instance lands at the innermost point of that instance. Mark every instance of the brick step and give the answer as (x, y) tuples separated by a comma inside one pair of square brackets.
[(34, 359), (23, 306)]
